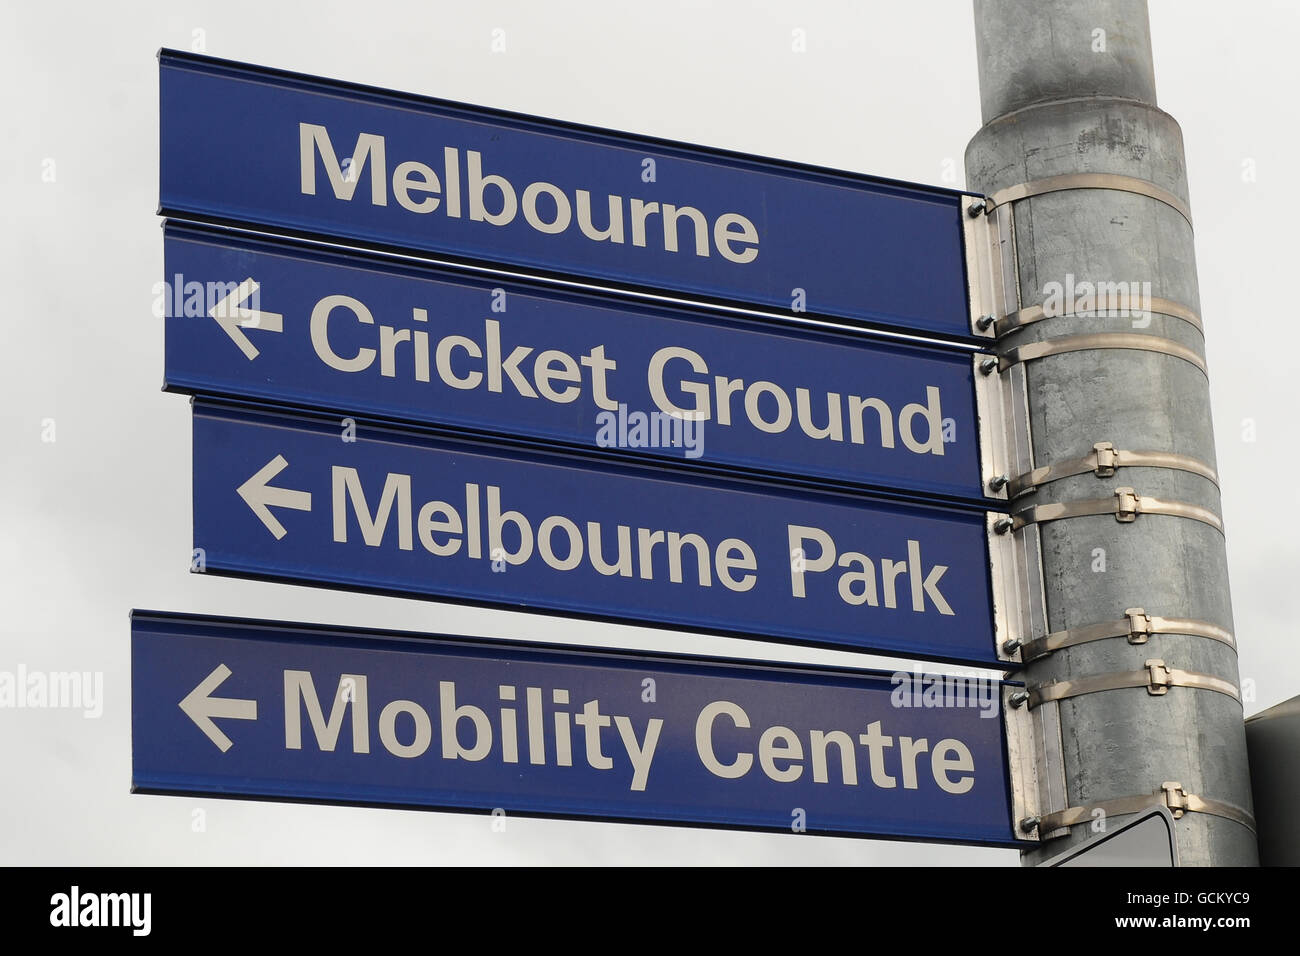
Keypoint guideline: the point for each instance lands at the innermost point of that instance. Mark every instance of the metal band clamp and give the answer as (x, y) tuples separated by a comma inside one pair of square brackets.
[(1137, 626), (1123, 303), (1103, 461), (1157, 678), (1125, 505), (1053, 184), (1095, 340), (1171, 795)]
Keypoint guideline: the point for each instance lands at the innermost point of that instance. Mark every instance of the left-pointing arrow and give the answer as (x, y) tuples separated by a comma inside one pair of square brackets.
[(200, 706), (234, 318), (259, 496)]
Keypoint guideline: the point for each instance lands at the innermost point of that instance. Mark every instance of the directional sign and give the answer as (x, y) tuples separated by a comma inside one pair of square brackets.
[(374, 508), (244, 144), (284, 711), (363, 335)]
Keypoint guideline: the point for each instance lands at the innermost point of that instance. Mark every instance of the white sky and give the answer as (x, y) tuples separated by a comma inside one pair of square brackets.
[(98, 521)]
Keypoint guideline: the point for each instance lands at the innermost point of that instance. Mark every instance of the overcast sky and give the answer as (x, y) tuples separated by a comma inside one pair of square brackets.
[(97, 521)]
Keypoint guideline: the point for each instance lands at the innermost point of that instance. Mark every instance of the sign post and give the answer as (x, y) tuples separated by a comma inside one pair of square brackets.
[(1104, 350)]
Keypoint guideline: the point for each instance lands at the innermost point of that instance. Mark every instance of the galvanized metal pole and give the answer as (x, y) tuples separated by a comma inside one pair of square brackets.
[(1094, 176)]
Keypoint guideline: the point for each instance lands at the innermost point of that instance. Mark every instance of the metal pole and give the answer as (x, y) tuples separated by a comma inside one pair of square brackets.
[(1067, 88)]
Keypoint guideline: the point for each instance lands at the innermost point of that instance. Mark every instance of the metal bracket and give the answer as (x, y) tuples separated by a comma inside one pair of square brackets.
[(1027, 791), (1136, 627), (1125, 505), (1171, 794), (985, 250), (1052, 184), (994, 441), (1035, 751), (984, 267), (1010, 598), (1156, 677), (1103, 462)]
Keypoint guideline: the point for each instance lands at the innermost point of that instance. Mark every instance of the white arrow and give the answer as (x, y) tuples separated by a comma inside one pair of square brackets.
[(201, 707), (258, 495), (234, 318)]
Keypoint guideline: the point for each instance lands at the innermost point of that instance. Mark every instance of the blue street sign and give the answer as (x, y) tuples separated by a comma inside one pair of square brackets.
[(360, 335), (332, 502), (300, 712), (375, 167)]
